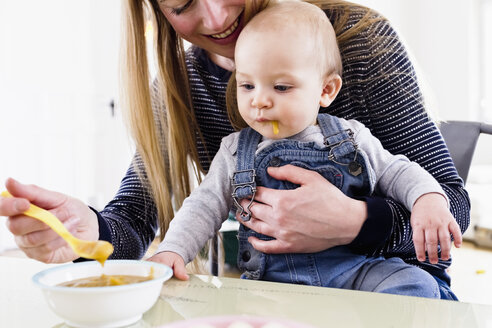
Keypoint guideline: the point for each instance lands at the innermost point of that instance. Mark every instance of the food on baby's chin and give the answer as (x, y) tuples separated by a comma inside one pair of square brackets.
[(275, 127)]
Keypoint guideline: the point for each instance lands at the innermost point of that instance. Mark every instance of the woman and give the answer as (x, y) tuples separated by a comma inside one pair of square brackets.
[(182, 115)]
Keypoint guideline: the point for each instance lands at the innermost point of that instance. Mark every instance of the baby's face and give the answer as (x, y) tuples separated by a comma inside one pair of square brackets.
[(278, 80)]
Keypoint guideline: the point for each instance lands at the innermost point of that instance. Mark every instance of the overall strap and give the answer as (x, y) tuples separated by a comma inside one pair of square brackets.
[(339, 140), (243, 179)]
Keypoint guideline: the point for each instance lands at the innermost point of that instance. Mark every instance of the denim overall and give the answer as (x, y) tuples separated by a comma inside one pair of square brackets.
[(342, 164)]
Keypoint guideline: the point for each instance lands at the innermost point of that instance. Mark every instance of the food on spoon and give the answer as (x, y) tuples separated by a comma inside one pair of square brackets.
[(98, 250)]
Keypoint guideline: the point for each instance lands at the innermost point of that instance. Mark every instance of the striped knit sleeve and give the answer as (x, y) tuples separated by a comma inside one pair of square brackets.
[(398, 118), (131, 217)]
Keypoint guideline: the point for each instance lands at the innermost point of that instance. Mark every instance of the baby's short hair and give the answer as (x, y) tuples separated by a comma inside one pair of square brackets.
[(299, 15)]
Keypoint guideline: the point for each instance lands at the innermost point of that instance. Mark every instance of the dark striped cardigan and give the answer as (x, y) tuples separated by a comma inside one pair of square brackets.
[(379, 89)]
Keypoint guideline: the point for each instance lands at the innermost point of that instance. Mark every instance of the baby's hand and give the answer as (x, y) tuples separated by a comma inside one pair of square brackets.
[(172, 260), (432, 224)]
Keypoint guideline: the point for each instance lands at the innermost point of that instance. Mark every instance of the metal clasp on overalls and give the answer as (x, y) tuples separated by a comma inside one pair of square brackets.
[(354, 167), (334, 145), (245, 213)]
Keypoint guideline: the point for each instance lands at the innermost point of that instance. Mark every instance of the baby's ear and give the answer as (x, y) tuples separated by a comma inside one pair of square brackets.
[(331, 86)]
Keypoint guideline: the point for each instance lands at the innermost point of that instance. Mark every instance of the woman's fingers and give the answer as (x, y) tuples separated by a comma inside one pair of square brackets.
[(50, 251), (22, 225), (36, 238), (260, 227), (313, 217), (46, 246), (10, 206), (40, 241), (34, 194), (289, 173), (257, 208), (293, 174), (264, 196), (295, 245), (268, 246), (42, 236)]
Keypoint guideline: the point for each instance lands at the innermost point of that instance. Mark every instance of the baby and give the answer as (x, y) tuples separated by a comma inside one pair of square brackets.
[(287, 66)]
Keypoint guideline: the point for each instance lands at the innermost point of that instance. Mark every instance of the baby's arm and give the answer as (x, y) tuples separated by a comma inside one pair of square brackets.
[(432, 223), (174, 261), (201, 214), (408, 183)]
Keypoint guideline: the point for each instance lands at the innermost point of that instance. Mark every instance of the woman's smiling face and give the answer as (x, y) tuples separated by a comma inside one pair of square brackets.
[(213, 25)]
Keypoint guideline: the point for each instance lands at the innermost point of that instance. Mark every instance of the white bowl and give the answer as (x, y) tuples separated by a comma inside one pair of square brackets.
[(112, 306)]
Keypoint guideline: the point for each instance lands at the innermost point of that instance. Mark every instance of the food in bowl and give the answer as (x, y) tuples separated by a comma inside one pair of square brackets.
[(108, 306), (105, 280)]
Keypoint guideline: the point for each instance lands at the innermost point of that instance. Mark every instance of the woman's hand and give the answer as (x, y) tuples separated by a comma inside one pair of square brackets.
[(174, 261), (34, 237), (314, 217)]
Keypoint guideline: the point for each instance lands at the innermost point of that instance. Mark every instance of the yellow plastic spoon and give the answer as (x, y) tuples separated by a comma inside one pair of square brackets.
[(98, 250)]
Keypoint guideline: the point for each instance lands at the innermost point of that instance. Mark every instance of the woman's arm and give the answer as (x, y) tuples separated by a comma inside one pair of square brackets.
[(399, 120), (389, 102), (129, 221)]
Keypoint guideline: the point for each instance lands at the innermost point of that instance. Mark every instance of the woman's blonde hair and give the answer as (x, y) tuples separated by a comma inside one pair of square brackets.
[(166, 139)]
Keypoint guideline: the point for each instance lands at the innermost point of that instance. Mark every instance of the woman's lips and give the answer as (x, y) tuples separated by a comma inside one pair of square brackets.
[(230, 34), (227, 32)]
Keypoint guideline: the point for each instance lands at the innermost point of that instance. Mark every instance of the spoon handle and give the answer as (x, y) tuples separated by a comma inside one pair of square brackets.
[(46, 217)]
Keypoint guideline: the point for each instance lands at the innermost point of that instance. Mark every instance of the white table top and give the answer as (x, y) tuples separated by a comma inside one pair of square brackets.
[(23, 305)]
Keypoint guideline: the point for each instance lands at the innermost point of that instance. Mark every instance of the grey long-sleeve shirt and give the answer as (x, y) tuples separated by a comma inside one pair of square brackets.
[(208, 205)]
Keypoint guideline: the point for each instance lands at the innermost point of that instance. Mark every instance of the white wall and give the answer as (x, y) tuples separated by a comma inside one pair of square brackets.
[(58, 73), (451, 42), (442, 36)]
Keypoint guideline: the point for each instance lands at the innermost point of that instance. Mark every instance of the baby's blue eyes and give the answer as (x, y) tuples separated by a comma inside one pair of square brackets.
[(282, 87), (247, 86)]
